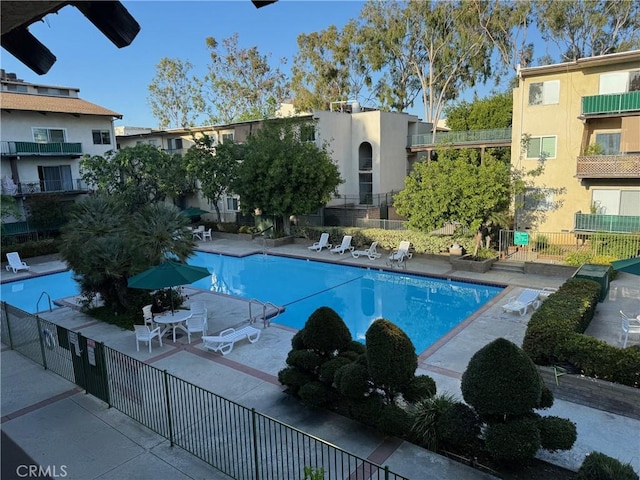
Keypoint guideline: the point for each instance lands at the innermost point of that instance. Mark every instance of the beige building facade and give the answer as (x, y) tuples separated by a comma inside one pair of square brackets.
[(583, 117)]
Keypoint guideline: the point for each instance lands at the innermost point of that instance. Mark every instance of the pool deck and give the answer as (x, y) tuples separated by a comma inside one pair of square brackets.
[(38, 408)]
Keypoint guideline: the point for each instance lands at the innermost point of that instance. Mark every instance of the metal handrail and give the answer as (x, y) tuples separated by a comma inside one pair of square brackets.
[(40, 298), (265, 321)]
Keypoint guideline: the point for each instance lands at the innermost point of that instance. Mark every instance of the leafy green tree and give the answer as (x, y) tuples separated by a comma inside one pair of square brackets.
[(240, 83), (175, 98), (454, 189), (495, 111), (215, 167), (8, 207), (283, 175), (104, 244), (137, 175), (329, 66), (588, 28)]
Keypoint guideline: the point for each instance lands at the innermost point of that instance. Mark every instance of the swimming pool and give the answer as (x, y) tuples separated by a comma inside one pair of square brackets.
[(424, 308)]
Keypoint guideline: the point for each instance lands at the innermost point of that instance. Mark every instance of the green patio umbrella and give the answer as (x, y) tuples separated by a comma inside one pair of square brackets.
[(628, 265), (167, 274), (193, 212)]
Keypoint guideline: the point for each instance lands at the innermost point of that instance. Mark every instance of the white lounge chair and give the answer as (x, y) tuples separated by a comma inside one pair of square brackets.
[(369, 252), (522, 302), (630, 326), (15, 263), (344, 246), (401, 255), (145, 334), (322, 243), (224, 342)]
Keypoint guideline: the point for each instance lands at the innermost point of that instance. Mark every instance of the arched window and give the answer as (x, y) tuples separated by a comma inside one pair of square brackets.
[(365, 173)]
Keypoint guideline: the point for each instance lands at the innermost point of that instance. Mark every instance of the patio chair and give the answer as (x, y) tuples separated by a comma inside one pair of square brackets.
[(630, 326), (15, 263), (197, 322), (198, 232), (400, 256), (369, 252), (522, 302), (206, 234), (344, 246), (146, 334), (224, 342), (147, 315), (322, 243)]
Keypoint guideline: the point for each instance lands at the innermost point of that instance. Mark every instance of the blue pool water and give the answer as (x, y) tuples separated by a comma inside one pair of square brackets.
[(424, 308)]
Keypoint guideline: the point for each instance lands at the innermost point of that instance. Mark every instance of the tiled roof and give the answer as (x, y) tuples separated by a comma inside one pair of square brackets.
[(43, 103)]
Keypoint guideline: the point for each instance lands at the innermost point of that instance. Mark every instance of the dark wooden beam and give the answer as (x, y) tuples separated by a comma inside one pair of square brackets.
[(112, 19), (26, 48)]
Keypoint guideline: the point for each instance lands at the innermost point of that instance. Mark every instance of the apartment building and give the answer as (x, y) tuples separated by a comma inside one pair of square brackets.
[(584, 118), (45, 131)]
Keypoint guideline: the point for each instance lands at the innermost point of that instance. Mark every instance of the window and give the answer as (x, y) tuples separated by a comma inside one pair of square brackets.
[(17, 88), (175, 144), (540, 147), (101, 137), (63, 92), (538, 199), (232, 204), (616, 202), (609, 143), (544, 93), (619, 82), (227, 137), (307, 133), (55, 179), (153, 142), (48, 135)]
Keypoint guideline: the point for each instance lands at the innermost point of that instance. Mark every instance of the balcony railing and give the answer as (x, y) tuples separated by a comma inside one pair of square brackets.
[(593, 222), (40, 149), (615, 103), (51, 186), (495, 135), (608, 166)]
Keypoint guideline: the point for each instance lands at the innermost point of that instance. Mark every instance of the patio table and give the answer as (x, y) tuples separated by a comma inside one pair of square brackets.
[(173, 321)]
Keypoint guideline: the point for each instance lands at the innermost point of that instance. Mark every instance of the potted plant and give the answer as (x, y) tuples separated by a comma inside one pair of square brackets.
[(480, 263)]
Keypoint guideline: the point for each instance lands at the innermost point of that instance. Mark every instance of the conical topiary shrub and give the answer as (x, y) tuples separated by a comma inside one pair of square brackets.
[(325, 332)]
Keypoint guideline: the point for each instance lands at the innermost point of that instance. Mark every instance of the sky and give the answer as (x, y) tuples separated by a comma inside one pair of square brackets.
[(118, 79)]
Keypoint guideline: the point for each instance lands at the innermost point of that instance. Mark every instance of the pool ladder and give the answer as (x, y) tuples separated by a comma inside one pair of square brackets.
[(265, 321), (40, 298)]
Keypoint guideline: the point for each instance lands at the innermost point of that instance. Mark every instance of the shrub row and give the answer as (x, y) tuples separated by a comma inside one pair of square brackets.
[(30, 249), (555, 335)]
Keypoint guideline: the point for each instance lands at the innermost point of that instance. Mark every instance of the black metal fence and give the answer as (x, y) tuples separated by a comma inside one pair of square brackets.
[(234, 439)]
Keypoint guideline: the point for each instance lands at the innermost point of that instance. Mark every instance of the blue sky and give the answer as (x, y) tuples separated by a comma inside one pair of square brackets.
[(118, 78)]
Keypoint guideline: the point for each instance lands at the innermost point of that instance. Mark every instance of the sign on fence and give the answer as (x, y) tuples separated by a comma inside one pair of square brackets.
[(520, 238)]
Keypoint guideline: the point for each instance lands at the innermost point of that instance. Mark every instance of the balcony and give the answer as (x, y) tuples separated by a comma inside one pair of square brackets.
[(612, 104), (72, 185), (33, 149), (492, 137), (593, 222), (608, 166)]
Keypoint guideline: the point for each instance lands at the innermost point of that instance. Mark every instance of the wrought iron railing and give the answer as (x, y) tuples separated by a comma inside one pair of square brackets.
[(593, 222), (37, 149), (495, 135), (51, 186), (608, 166), (234, 439), (614, 103)]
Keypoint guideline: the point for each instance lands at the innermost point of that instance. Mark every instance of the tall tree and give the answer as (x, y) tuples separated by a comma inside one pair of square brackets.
[(175, 98), (240, 83), (587, 28), (215, 167), (284, 175), (495, 111), (330, 66), (137, 175)]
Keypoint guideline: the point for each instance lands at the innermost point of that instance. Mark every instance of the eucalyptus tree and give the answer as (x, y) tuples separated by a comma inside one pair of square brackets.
[(587, 28), (330, 66), (282, 174), (175, 97), (215, 167), (240, 83)]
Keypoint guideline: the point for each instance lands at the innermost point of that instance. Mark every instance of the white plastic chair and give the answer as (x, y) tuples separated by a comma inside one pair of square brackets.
[(145, 334), (224, 342), (147, 315), (370, 252), (197, 322), (322, 243), (344, 246), (198, 232), (401, 255), (630, 326), (206, 234), (15, 263)]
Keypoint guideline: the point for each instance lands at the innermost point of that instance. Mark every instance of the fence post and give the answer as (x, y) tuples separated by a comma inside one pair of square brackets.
[(40, 335), (256, 463), (386, 472), (104, 371), (6, 317), (166, 393)]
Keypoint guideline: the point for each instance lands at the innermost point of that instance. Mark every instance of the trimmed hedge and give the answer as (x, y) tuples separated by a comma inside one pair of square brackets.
[(557, 433), (598, 466), (555, 335), (517, 440)]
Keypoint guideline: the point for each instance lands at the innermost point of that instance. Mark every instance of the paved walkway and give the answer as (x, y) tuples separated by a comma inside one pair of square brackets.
[(58, 425)]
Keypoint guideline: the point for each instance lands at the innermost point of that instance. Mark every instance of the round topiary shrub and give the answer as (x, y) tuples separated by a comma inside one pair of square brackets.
[(352, 380), (297, 343), (305, 360), (517, 440), (546, 398), (598, 466), (357, 347), (501, 379), (557, 433), (391, 357), (367, 410), (421, 386), (329, 368), (325, 332), (293, 379), (393, 420), (313, 394), (459, 426)]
